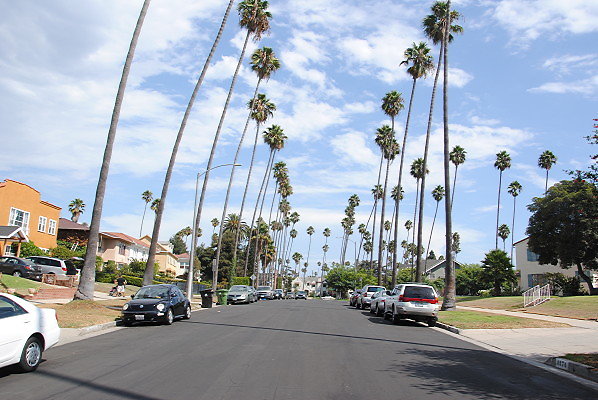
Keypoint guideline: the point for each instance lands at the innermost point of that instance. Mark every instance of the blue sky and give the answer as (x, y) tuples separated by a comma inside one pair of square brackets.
[(524, 78)]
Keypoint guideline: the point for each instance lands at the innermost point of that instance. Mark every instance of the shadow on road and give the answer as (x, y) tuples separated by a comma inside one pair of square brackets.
[(325, 334)]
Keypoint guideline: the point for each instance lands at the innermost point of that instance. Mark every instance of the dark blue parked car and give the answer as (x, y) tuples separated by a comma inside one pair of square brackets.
[(156, 303)]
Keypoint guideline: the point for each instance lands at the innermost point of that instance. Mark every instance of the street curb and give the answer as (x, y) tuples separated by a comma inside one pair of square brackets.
[(449, 328), (579, 369), (545, 367), (95, 328)]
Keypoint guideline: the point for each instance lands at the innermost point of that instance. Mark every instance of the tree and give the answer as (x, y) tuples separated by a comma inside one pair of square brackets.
[(76, 208), (438, 28), (342, 278), (591, 174), (497, 270), (417, 171), (377, 193), (215, 224), (457, 157), (503, 161), (155, 205), (184, 234), (147, 197), (514, 189), (563, 227), (310, 231), (264, 63), (87, 280), (469, 280), (147, 278), (438, 195), (178, 244), (503, 233), (546, 161), (254, 17)]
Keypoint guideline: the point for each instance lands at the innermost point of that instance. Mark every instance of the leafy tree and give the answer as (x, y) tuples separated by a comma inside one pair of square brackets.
[(497, 270), (28, 249), (591, 174), (342, 278), (546, 160), (562, 284), (469, 280), (87, 280), (563, 228), (179, 246), (432, 255)]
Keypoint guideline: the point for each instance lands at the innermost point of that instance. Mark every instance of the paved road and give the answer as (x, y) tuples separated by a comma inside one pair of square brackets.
[(289, 349)]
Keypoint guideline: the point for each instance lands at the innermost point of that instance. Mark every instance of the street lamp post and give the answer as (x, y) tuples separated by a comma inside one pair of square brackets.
[(194, 230)]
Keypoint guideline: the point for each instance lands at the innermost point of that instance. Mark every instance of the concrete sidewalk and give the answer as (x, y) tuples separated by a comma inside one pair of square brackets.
[(537, 344)]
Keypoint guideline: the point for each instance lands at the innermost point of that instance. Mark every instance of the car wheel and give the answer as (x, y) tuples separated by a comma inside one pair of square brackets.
[(431, 322), (17, 274), (386, 315), (396, 318), (169, 319), (127, 322), (187, 313), (31, 355), (371, 309), (379, 312)]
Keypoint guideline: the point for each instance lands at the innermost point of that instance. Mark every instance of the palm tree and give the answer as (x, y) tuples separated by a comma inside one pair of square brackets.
[(255, 18), (275, 138), (149, 267), (76, 208), (264, 63), (438, 195), (87, 280), (546, 161), (417, 172), (155, 205), (297, 257), (310, 231), (420, 64), (503, 233), (184, 234), (214, 223), (304, 270), (435, 26), (408, 226), (377, 193), (503, 161), (147, 197), (457, 157), (397, 195), (514, 189)]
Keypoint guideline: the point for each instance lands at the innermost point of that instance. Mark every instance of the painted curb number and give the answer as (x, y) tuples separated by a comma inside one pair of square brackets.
[(562, 363)]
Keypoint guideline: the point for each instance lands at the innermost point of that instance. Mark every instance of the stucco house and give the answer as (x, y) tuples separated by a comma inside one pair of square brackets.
[(433, 269), (121, 248), (532, 273), (22, 206), (311, 284), (165, 257)]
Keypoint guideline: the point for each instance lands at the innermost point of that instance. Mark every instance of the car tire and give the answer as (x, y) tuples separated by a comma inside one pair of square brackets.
[(126, 322), (17, 274), (187, 313), (371, 309), (31, 355), (379, 312), (169, 318), (431, 322), (386, 315), (396, 318)]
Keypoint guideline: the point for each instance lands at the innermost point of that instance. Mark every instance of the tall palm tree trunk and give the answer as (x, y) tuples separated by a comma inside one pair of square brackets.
[(361, 240), (149, 266), (399, 183), (375, 212), (513, 228), (87, 281), (430, 239), (415, 218), (498, 210), (142, 218), (454, 184), (422, 190), (238, 231), (230, 183), (381, 241), (546, 184), (449, 302), (267, 176)]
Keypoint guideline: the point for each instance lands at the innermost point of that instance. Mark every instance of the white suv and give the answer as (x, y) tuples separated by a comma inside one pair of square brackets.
[(414, 301), (365, 297), (51, 265)]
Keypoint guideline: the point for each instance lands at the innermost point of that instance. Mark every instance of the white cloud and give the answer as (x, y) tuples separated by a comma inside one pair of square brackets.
[(352, 147), (457, 78), (483, 121), (585, 86), (567, 63)]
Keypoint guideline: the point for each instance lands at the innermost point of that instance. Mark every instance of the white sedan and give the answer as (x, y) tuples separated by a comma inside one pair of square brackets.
[(25, 332)]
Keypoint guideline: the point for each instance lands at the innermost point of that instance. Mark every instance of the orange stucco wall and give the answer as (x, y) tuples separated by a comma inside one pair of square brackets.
[(23, 197)]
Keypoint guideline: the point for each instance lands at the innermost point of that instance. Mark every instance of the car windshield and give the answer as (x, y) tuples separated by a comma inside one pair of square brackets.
[(238, 288), (26, 262), (375, 289), (152, 292), (301, 292), (264, 288), (419, 292)]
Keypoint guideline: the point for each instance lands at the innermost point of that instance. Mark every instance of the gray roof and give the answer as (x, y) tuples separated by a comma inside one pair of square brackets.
[(12, 232)]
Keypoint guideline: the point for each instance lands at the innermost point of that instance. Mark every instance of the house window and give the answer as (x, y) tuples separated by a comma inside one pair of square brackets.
[(536, 279), (531, 256), (8, 250), (52, 227), (121, 249), (19, 218), (41, 225)]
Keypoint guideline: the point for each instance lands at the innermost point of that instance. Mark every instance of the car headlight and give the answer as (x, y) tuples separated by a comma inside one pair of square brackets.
[(126, 307), (160, 307)]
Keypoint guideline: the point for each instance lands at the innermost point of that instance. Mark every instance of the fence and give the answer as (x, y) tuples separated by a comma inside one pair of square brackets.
[(536, 295)]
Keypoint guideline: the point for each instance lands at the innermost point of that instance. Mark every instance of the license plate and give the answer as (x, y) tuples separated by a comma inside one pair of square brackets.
[(139, 317), (418, 304)]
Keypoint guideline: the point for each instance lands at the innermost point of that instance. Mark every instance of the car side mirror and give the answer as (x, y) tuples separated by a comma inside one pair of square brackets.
[(132, 296)]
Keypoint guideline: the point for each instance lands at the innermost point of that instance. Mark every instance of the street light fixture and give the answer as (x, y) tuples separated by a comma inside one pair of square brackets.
[(194, 230)]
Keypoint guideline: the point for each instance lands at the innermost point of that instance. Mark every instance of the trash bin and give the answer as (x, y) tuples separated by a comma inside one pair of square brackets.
[(222, 296), (206, 298)]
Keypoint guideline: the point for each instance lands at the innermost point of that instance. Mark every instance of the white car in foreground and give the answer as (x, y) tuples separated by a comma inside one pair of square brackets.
[(26, 331)]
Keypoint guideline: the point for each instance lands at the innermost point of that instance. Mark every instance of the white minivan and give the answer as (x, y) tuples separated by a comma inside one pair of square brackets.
[(414, 301)]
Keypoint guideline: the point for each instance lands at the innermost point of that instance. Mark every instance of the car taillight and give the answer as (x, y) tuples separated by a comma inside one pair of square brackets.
[(401, 298), (27, 267), (435, 301), (64, 269)]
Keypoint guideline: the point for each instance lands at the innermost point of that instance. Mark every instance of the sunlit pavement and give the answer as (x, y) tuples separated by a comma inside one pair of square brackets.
[(283, 349)]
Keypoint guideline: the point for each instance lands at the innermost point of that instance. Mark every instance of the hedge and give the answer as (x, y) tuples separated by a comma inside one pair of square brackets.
[(241, 280)]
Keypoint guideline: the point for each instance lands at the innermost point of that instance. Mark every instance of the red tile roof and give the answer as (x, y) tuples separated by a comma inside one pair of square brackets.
[(64, 223), (184, 255)]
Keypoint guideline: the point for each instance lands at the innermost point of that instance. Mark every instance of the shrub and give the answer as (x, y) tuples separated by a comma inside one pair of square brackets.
[(241, 280), (564, 285), (104, 277), (28, 249), (110, 267)]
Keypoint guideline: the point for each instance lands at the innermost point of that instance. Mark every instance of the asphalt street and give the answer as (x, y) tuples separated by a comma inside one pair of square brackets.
[(283, 349)]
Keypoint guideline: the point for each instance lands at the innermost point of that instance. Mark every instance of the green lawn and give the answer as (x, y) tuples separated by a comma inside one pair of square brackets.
[(590, 359), (494, 303), (105, 288), (482, 320), (19, 284)]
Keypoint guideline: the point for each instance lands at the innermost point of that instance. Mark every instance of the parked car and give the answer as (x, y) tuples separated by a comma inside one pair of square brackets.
[(156, 303), (353, 297), (240, 294), (51, 265), (253, 293), (414, 301), (20, 267), (265, 292), (290, 295), (365, 298), (378, 301), (26, 331), (278, 294), (302, 294)]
